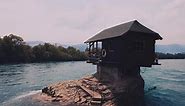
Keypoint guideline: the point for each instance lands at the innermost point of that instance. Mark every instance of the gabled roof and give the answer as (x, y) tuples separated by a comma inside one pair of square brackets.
[(120, 30)]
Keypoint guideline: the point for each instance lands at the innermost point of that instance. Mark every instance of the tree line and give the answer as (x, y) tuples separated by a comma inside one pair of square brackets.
[(171, 56), (13, 49)]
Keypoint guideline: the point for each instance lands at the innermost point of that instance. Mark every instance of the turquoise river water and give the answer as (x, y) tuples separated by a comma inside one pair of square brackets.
[(20, 80)]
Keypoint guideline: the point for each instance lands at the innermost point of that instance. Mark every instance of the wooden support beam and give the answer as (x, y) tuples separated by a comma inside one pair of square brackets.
[(96, 47), (89, 49), (93, 47)]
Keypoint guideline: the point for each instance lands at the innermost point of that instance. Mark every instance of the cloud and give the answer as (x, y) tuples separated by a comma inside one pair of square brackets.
[(69, 21)]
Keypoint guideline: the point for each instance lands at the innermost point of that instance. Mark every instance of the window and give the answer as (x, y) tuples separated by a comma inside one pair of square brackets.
[(139, 45)]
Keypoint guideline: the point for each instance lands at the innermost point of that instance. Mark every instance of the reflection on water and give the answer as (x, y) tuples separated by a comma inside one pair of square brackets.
[(164, 85)]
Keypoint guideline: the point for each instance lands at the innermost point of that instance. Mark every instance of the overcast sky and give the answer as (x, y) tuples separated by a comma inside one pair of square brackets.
[(74, 21)]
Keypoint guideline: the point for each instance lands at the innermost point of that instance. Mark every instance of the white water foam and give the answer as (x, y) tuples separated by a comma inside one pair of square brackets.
[(23, 95), (27, 94)]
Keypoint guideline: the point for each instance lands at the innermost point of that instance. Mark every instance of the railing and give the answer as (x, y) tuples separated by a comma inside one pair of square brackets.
[(94, 52), (94, 57)]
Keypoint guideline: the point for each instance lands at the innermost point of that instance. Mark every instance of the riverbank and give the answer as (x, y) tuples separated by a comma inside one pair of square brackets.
[(91, 91)]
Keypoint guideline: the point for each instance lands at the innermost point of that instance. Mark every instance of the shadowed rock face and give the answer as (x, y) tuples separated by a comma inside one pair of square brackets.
[(134, 94), (90, 91)]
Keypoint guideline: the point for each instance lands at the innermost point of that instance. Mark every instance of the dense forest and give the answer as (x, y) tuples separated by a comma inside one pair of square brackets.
[(13, 49)]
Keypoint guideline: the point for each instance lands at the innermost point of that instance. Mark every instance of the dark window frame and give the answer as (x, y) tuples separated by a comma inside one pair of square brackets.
[(139, 45)]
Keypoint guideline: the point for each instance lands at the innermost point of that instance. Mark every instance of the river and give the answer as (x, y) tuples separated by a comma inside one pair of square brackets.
[(164, 84)]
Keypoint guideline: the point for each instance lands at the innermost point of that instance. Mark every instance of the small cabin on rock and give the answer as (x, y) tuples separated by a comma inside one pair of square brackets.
[(123, 49)]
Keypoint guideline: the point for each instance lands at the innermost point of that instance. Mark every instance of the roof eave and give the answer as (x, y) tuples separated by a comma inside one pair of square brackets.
[(158, 37)]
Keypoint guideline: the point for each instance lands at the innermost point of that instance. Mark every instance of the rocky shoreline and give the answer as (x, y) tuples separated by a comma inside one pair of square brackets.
[(91, 91)]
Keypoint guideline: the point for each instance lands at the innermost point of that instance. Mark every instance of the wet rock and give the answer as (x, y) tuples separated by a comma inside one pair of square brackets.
[(45, 90)]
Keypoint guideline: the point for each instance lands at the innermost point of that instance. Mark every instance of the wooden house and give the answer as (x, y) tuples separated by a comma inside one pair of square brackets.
[(124, 47)]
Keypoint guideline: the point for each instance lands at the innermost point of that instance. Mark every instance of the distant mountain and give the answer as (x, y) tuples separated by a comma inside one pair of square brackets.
[(34, 43), (80, 47), (172, 48)]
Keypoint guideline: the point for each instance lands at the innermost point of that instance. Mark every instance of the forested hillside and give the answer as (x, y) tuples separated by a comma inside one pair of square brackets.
[(13, 49)]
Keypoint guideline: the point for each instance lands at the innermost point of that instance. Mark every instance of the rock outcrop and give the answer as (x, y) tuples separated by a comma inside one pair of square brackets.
[(90, 91)]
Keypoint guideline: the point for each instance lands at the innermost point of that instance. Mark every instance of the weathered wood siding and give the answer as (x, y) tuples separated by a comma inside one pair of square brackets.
[(112, 47), (132, 56), (122, 50)]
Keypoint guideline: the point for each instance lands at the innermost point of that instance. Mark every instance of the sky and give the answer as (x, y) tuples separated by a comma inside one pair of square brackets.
[(74, 21)]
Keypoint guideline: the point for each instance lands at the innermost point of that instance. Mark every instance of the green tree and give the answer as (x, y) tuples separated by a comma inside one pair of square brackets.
[(14, 49), (11, 48)]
